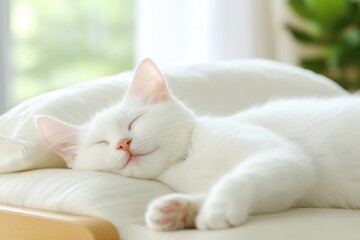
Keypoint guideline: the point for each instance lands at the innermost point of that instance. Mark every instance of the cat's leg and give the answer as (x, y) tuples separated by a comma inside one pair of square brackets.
[(173, 212), (268, 182)]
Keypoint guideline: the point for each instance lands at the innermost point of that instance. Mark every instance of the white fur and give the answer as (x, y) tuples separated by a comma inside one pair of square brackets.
[(300, 152), (150, 134), (286, 153)]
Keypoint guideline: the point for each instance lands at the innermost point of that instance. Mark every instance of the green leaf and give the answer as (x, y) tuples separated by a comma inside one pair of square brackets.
[(327, 12), (299, 7), (302, 36), (352, 37), (318, 65), (314, 28), (333, 55)]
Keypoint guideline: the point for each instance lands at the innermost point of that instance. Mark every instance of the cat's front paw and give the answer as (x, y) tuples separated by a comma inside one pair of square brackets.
[(221, 213), (171, 212)]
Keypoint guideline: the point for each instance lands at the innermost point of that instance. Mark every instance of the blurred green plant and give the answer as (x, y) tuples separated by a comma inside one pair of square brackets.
[(333, 26), (63, 42)]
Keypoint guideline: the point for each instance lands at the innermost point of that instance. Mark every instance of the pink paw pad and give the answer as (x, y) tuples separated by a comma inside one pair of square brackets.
[(175, 203), (169, 213), (167, 210)]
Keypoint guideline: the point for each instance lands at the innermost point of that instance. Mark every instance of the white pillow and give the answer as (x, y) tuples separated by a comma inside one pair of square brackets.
[(118, 199), (217, 88)]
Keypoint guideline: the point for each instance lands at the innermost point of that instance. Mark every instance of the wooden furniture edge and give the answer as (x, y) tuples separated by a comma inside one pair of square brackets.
[(17, 223)]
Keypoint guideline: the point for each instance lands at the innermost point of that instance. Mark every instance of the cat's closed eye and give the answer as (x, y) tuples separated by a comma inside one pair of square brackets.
[(102, 142), (133, 121)]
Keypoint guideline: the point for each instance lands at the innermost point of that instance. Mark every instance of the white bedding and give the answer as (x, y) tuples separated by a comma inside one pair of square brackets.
[(122, 201), (220, 89)]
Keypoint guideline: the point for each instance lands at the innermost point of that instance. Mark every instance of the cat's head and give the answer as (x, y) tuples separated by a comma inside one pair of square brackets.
[(148, 131)]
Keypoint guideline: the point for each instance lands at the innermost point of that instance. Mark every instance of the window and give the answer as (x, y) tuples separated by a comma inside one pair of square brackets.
[(62, 42)]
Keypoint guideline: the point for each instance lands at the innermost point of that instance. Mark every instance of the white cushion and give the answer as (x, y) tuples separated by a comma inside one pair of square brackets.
[(219, 88), (123, 201), (118, 199), (293, 224)]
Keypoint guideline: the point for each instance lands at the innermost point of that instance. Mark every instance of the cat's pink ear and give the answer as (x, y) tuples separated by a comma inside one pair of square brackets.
[(148, 84), (63, 138)]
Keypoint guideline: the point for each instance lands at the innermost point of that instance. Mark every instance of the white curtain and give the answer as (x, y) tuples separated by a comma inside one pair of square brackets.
[(4, 55), (176, 32)]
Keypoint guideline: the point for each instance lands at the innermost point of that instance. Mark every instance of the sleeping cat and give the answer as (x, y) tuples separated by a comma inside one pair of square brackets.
[(285, 153)]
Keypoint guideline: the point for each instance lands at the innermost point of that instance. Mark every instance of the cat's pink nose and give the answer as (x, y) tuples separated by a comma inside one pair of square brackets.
[(124, 145)]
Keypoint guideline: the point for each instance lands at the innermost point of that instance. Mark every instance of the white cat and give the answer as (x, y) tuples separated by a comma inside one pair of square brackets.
[(288, 153)]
